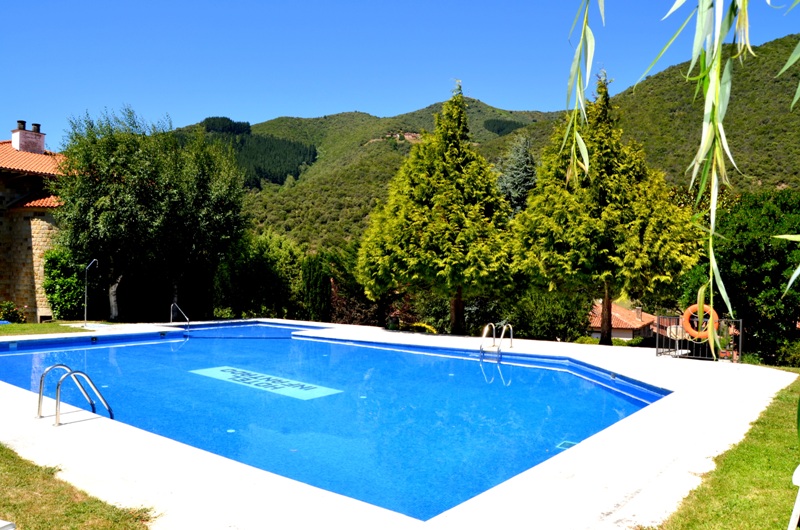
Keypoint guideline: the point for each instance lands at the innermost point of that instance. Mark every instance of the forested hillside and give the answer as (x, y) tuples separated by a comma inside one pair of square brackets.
[(324, 200), (263, 157), (764, 135), (357, 154)]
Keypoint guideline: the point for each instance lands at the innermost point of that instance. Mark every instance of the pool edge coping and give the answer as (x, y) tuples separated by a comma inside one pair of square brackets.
[(577, 473)]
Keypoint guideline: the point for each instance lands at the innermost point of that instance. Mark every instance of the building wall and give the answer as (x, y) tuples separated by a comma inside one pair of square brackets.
[(28, 234), (625, 334)]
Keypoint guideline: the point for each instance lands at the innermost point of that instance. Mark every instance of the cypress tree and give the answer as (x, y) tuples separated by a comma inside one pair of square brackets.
[(442, 227), (613, 229)]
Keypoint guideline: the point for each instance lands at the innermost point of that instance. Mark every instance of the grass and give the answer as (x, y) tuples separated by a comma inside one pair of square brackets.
[(751, 486), (38, 329), (34, 499)]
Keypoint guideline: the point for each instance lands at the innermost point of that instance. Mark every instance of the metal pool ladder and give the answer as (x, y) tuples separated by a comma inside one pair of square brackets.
[(74, 375), (172, 309), (495, 349)]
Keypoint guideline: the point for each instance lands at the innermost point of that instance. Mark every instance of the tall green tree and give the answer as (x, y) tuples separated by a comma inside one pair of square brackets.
[(442, 227), (757, 266), (145, 207), (611, 230), (203, 218), (517, 173)]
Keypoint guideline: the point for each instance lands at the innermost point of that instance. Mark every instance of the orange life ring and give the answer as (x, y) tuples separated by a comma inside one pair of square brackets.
[(698, 333)]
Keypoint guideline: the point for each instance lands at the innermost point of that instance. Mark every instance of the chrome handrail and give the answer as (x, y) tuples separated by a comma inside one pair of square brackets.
[(510, 335), (172, 309), (41, 388), (496, 347), (72, 374)]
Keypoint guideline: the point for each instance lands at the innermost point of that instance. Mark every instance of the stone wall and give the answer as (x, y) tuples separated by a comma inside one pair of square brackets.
[(25, 235)]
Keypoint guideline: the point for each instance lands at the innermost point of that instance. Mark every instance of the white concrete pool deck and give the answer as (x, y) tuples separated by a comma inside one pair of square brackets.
[(633, 473)]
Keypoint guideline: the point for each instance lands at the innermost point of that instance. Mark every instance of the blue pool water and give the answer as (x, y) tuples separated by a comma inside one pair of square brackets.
[(416, 430)]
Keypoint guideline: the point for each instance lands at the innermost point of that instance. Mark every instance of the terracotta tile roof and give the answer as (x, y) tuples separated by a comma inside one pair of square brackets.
[(621, 318), (44, 164), (51, 201)]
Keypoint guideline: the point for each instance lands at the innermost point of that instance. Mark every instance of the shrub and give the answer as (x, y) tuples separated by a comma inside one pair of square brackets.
[(751, 358), (789, 354), (634, 342), (549, 315), (63, 285), (615, 341), (418, 327), (10, 312)]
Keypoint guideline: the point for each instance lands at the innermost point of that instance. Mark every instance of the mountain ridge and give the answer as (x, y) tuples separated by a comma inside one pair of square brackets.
[(357, 153)]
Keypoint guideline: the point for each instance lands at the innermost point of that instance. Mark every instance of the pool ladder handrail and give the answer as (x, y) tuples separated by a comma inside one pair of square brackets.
[(496, 344), (510, 329), (72, 374), (496, 348), (172, 309)]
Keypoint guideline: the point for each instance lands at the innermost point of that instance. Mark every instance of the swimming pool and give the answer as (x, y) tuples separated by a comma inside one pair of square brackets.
[(414, 430)]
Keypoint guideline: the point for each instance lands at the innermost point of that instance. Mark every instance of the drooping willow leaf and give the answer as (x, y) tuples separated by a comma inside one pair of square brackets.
[(796, 273)]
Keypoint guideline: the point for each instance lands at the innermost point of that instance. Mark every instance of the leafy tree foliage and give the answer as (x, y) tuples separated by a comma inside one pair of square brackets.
[(542, 314), (349, 303), (63, 284), (148, 209), (443, 224), (610, 231), (517, 173), (317, 288), (261, 278), (757, 267)]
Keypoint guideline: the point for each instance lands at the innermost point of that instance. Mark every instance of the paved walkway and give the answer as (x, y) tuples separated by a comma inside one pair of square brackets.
[(633, 473)]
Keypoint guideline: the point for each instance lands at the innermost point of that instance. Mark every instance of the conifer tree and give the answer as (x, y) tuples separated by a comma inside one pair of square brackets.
[(614, 229), (443, 224), (517, 173)]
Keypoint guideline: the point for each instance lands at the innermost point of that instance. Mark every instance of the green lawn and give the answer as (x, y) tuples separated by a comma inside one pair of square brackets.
[(33, 498), (751, 487), (35, 329)]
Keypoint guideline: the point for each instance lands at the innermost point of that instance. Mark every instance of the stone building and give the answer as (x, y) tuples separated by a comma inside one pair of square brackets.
[(26, 219)]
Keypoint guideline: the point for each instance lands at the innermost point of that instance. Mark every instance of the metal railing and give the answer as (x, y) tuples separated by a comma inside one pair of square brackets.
[(672, 339), (172, 309), (74, 375), (495, 349)]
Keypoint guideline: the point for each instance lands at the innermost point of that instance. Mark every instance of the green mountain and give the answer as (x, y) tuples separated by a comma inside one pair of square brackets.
[(357, 155), (324, 204), (764, 135)]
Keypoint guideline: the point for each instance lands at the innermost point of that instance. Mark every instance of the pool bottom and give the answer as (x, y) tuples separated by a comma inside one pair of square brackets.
[(383, 439)]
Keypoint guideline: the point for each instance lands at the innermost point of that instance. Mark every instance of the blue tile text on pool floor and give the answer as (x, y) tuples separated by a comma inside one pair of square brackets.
[(270, 383)]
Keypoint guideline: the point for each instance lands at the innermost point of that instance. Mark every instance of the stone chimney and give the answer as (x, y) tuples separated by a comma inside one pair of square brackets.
[(639, 313), (29, 141)]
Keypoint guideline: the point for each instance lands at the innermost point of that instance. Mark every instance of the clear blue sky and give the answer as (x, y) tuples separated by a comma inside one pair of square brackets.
[(256, 60)]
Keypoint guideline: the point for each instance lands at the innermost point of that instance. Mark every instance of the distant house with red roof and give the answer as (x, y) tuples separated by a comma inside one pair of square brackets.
[(625, 323), (27, 227)]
